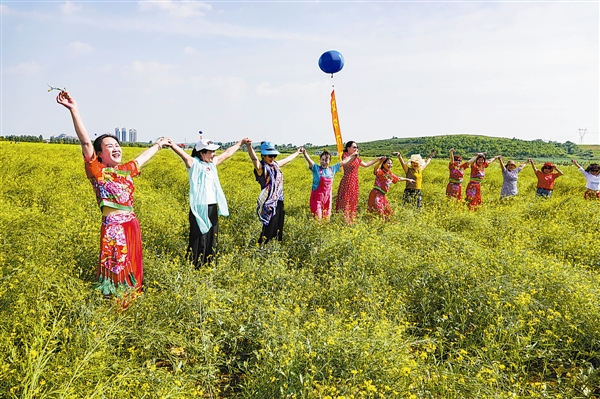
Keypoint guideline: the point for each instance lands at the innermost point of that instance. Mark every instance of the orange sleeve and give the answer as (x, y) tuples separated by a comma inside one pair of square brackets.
[(93, 168), (131, 166)]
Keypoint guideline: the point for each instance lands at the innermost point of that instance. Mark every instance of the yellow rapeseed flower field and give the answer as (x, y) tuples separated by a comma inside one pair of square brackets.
[(502, 302)]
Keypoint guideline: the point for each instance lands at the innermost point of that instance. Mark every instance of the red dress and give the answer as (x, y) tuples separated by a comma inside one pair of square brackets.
[(347, 196), (120, 267)]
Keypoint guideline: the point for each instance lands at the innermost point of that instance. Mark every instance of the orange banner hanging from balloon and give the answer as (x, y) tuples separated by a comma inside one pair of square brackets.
[(336, 126)]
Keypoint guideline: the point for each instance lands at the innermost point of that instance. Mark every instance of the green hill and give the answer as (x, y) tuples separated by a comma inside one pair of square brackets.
[(467, 145)]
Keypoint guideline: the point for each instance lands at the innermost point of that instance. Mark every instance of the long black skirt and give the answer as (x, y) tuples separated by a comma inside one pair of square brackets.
[(275, 227), (202, 248)]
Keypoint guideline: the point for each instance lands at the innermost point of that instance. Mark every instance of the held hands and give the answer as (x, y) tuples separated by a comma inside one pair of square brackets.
[(165, 142)]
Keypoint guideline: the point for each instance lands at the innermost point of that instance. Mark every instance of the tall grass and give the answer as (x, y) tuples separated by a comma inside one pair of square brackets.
[(503, 302)]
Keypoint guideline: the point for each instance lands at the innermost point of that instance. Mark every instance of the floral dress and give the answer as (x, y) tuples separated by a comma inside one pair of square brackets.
[(377, 198), (347, 196), (457, 173), (120, 268), (473, 191)]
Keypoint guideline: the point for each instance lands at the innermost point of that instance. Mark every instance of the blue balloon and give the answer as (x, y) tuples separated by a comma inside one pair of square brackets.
[(331, 62)]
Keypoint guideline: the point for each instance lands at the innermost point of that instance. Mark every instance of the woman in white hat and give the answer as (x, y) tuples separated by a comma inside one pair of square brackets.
[(207, 199), (268, 174), (414, 171)]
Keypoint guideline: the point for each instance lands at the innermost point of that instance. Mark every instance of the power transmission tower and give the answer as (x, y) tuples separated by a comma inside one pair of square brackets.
[(582, 133)]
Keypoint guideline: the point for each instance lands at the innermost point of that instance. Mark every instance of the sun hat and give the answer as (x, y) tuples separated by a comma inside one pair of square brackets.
[(206, 144), (511, 162), (548, 165), (267, 148), (417, 158)]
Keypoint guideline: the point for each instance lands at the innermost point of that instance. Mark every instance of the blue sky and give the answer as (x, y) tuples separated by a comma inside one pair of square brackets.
[(237, 69)]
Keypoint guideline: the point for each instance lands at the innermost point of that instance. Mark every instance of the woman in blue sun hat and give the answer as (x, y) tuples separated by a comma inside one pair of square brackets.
[(268, 174)]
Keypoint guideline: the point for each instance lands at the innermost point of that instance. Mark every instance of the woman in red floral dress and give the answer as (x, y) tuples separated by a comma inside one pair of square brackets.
[(347, 195), (120, 270)]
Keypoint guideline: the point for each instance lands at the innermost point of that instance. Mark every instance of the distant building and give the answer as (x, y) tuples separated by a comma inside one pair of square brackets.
[(132, 135), (123, 136), (118, 133), (62, 136)]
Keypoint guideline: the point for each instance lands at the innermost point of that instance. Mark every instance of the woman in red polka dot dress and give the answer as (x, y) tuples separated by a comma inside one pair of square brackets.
[(347, 196)]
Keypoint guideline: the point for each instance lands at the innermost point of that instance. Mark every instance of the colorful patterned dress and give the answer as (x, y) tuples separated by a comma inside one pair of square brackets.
[(269, 207), (473, 191), (457, 173), (377, 198), (120, 268), (347, 196)]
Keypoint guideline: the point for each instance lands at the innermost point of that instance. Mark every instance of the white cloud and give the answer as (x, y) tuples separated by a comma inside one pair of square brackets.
[(179, 9), (69, 8), (4, 10), (25, 69), (79, 48), (190, 50), (153, 74)]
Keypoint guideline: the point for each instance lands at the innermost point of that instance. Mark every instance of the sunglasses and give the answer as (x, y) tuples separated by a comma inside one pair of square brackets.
[(594, 170), (271, 156)]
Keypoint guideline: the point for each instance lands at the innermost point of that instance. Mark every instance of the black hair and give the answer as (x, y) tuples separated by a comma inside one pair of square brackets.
[(592, 166), (384, 161), (197, 154), (348, 145), (98, 143), (325, 152)]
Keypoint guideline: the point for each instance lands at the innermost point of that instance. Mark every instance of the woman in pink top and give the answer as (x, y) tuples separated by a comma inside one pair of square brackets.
[(457, 172), (383, 180), (478, 165), (120, 270)]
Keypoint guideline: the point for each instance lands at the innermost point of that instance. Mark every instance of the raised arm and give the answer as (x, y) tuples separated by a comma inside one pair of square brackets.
[(230, 151), (290, 157), (377, 166), (310, 162), (187, 159), (494, 158), (404, 165), (255, 161), (501, 163), (87, 147), (150, 152), (431, 155), (532, 165), (451, 155), (558, 171), (371, 162), (474, 158), (576, 164)]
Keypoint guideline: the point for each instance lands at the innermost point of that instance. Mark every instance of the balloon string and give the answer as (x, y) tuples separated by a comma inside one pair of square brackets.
[(332, 85)]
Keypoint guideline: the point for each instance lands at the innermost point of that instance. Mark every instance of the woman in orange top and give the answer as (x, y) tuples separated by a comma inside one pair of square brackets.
[(120, 269), (546, 178)]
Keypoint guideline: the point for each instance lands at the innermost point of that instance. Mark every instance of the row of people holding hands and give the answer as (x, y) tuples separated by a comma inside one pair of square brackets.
[(120, 266)]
